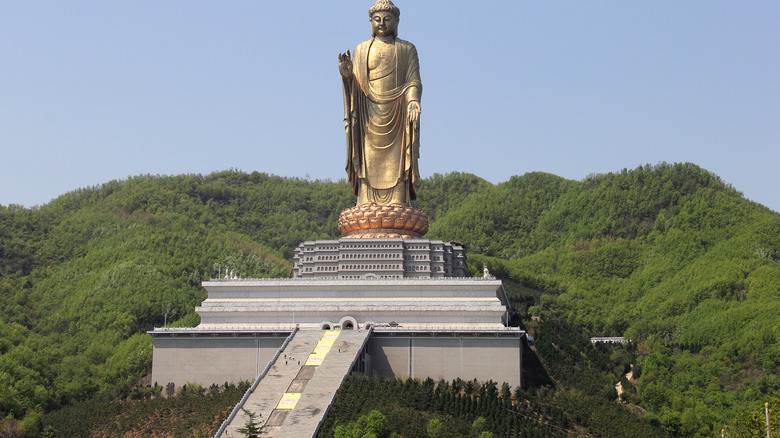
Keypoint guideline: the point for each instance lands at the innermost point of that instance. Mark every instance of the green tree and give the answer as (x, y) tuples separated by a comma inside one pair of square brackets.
[(371, 425), (479, 425), (435, 428), (251, 429)]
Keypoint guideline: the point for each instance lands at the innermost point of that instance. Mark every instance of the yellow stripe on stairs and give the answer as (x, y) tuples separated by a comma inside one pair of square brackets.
[(289, 400), (323, 347)]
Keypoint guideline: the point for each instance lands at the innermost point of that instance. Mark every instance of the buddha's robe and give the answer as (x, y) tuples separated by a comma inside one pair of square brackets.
[(382, 144)]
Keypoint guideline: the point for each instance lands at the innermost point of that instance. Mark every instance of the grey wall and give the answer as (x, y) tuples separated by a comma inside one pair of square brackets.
[(205, 361), (467, 357)]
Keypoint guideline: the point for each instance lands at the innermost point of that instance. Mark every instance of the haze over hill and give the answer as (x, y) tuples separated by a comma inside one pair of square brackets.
[(667, 255)]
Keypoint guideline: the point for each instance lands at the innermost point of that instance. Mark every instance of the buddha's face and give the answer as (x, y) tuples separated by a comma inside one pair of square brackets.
[(384, 24)]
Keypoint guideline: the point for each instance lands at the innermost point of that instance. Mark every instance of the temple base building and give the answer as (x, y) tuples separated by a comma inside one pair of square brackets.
[(415, 290), (409, 308)]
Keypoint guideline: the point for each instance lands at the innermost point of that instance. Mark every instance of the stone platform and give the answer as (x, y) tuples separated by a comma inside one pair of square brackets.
[(352, 303)]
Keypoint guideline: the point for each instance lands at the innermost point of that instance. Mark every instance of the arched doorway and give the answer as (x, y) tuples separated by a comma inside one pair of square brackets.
[(348, 323)]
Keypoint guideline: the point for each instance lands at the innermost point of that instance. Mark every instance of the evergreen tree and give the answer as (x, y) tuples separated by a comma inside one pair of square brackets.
[(251, 429)]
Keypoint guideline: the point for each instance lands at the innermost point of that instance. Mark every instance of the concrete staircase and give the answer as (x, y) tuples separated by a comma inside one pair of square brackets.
[(289, 378)]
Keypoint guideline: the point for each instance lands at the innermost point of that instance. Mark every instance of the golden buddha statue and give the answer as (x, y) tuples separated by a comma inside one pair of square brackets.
[(382, 90)]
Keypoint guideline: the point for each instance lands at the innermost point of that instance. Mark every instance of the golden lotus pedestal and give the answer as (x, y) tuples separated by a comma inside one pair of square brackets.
[(383, 221)]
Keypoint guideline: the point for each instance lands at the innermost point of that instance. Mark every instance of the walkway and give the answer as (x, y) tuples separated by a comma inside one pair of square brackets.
[(296, 393)]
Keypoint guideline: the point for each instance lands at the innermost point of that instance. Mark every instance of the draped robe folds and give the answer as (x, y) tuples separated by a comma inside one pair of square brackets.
[(382, 144)]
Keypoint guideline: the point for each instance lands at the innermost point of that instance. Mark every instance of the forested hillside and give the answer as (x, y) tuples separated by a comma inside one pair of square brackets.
[(667, 255)]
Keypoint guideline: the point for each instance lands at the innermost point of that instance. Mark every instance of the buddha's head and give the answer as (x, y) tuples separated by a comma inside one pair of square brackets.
[(384, 17)]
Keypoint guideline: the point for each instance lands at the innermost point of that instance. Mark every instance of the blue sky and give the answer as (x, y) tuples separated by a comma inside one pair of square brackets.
[(97, 91)]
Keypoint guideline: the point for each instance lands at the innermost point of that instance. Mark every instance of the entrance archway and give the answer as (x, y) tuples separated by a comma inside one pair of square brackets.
[(348, 323)]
